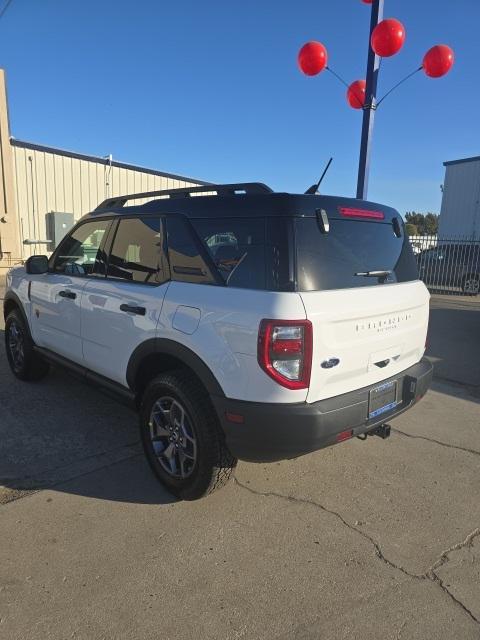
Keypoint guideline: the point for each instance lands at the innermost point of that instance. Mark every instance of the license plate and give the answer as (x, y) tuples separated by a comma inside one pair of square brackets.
[(382, 399)]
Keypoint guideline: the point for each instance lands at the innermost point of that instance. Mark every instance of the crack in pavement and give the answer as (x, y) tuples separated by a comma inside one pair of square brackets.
[(468, 542), (430, 573), (427, 575), (443, 444)]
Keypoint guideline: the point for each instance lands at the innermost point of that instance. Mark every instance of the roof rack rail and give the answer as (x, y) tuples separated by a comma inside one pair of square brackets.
[(219, 189)]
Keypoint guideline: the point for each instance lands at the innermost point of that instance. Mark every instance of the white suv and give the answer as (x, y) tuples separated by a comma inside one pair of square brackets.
[(242, 323)]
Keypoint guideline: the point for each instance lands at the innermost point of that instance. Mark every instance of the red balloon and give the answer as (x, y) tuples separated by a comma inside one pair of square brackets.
[(356, 94), (438, 61), (367, 1), (388, 37), (312, 58)]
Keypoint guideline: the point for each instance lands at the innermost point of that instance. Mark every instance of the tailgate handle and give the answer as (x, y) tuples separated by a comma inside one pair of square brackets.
[(383, 363)]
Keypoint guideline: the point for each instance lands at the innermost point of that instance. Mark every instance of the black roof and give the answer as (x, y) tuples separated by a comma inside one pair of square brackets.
[(234, 200)]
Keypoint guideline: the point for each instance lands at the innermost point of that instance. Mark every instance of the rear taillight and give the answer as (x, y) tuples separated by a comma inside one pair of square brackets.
[(285, 351)]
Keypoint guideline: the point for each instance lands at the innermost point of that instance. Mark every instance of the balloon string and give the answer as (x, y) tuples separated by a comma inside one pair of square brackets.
[(337, 76), (398, 84)]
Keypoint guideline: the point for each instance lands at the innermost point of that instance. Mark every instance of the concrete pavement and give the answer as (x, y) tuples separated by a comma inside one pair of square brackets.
[(364, 540)]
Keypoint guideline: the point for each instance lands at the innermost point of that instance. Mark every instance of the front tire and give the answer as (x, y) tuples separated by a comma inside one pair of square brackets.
[(181, 437), (25, 364)]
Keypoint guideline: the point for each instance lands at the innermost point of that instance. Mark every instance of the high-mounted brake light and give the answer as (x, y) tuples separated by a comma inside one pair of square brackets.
[(348, 212), (285, 351)]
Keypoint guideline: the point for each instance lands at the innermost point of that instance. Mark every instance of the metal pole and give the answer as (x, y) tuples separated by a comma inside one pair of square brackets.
[(373, 65)]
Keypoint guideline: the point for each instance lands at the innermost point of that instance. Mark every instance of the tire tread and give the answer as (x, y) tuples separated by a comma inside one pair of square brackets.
[(217, 469)]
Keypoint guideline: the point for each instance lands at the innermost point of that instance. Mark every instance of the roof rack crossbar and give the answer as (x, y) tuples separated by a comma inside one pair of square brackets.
[(219, 189)]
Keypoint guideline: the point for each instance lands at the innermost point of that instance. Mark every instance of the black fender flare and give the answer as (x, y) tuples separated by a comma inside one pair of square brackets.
[(164, 346), (10, 296)]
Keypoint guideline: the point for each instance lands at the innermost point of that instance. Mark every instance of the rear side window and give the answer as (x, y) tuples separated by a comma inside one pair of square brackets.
[(237, 247), (136, 253), (186, 255), (332, 260)]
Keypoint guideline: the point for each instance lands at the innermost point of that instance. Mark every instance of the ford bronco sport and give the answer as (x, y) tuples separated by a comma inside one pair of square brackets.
[(242, 323)]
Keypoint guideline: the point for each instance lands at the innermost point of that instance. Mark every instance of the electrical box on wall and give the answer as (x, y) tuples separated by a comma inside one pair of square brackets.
[(58, 225)]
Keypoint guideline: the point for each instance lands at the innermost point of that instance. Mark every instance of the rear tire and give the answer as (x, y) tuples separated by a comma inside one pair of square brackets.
[(471, 284), (181, 437), (25, 364)]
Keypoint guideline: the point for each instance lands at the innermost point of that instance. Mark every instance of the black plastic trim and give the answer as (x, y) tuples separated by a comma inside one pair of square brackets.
[(164, 346), (272, 432), (10, 295), (113, 389)]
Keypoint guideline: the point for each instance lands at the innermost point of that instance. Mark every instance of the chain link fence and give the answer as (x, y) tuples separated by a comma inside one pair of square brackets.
[(448, 265)]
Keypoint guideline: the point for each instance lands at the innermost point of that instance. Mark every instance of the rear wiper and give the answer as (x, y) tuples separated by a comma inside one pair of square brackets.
[(373, 274)]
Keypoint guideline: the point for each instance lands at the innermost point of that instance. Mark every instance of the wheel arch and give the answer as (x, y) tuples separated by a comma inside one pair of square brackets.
[(157, 355), (11, 302)]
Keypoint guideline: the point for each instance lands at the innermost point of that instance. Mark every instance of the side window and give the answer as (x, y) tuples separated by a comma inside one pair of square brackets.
[(186, 261), (79, 252), (137, 254), (237, 247)]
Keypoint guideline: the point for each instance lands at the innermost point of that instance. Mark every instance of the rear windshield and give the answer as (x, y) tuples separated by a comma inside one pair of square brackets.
[(332, 260)]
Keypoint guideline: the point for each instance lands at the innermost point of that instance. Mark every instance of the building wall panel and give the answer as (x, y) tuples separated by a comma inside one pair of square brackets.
[(48, 181), (460, 212)]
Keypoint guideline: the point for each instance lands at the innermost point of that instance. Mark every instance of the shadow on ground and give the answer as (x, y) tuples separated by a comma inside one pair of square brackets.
[(454, 341), (59, 429)]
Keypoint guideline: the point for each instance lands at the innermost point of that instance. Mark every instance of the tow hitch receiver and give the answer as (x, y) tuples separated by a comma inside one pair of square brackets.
[(382, 431)]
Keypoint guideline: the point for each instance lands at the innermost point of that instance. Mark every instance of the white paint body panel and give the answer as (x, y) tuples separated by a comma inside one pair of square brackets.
[(55, 321), (110, 335), (226, 337), (362, 327)]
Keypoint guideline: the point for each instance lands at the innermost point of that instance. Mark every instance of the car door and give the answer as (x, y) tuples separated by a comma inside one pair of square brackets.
[(122, 310), (56, 295)]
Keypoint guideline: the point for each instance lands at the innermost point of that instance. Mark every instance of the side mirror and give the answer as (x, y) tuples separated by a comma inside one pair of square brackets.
[(36, 265)]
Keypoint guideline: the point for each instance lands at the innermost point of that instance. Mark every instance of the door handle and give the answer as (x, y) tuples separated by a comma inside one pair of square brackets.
[(67, 294), (139, 311)]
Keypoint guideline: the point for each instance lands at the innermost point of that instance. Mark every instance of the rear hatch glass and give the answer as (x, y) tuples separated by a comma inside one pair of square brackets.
[(346, 255)]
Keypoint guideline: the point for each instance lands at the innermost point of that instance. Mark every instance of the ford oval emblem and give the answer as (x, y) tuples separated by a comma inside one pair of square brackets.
[(329, 364)]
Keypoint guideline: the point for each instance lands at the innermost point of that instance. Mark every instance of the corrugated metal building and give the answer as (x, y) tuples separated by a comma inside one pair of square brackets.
[(36, 180), (460, 212)]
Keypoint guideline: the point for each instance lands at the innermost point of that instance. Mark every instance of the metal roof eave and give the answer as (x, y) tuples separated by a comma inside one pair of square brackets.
[(461, 161), (103, 161)]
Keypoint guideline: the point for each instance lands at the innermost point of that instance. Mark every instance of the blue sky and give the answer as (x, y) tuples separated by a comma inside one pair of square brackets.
[(212, 90)]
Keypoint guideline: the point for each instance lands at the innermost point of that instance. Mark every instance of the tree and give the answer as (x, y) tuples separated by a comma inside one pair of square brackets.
[(427, 225), (411, 229)]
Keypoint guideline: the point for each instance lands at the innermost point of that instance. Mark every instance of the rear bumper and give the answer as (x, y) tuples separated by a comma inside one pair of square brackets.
[(272, 432)]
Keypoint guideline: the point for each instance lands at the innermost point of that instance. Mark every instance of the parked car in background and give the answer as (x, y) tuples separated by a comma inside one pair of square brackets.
[(452, 265)]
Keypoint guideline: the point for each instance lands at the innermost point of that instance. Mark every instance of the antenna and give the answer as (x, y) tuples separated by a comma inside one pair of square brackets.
[(314, 188)]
